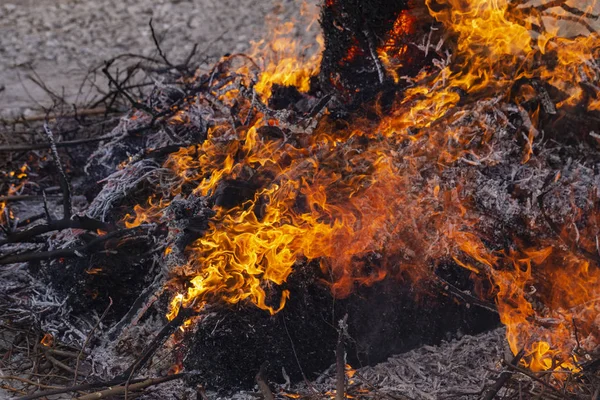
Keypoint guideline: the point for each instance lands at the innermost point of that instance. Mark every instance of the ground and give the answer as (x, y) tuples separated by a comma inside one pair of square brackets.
[(60, 40)]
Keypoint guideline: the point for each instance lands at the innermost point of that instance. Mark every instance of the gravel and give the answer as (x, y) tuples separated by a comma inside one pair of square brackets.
[(62, 39)]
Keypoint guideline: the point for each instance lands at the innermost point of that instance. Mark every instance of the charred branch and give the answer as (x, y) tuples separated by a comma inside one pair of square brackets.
[(87, 340), (133, 387), (340, 360), (80, 251), (135, 104), (157, 44), (64, 144), (78, 222), (161, 337), (491, 393), (64, 181), (263, 386), (137, 385)]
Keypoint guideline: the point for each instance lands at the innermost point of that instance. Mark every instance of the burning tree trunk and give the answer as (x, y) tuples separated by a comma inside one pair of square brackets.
[(368, 45)]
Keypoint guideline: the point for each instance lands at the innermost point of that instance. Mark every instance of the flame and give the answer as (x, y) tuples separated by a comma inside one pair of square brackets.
[(175, 369), (47, 340), (396, 46), (284, 59), (569, 289), (152, 212), (367, 200), (3, 212), (17, 180), (93, 271)]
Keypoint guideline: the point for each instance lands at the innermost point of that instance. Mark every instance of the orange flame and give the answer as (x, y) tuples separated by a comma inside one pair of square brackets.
[(47, 340), (284, 59), (150, 213), (18, 180)]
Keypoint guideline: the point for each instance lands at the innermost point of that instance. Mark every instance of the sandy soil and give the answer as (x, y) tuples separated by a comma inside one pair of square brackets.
[(60, 40)]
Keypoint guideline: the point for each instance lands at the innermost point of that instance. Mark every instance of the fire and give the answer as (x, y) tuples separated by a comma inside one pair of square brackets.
[(570, 290), (3, 212), (47, 340), (350, 372), (93, 271), (395, 48), (16, 180), (284, 60), (366, 199), (175, 369), (150, 213)]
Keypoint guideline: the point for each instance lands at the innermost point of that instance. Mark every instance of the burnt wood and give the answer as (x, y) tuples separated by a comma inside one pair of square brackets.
[(353, 31)]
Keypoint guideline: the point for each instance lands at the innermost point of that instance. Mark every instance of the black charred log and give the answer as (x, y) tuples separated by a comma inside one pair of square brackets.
[(357, 33)]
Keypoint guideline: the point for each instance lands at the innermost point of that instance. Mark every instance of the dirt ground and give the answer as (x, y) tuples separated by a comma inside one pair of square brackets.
[(60, 40)]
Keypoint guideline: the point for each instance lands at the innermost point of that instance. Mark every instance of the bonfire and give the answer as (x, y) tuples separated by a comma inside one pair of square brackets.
[(422, 171)]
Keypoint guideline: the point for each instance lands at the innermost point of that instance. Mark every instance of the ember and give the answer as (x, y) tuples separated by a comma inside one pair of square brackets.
[(445, 149)]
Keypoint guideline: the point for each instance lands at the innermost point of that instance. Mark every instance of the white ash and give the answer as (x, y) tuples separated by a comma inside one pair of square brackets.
[(118, 185)]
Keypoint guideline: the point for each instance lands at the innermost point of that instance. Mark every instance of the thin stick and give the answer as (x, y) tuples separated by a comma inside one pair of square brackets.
[(160, 52), (76, 388), (66, 143), (59, 364), (24, 380), (503, 378), (163, 335), (340, 360), (64, 182), (46, 208), (114, 391), (535, 378), (374, 56), (117, 85), (21, 197), (62, 253), (84, 223)]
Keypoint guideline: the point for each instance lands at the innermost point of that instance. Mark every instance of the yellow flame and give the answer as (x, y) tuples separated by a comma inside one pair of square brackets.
[(284, 58)]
